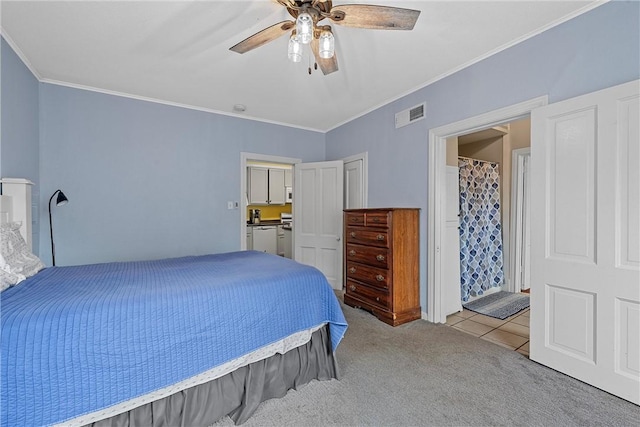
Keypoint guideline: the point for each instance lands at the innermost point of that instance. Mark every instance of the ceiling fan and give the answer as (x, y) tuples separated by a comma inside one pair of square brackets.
[(305, 28)]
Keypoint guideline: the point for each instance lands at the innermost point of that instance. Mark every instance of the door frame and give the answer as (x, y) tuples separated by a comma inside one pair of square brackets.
[(244, 158), (436, 194), (517, 213)]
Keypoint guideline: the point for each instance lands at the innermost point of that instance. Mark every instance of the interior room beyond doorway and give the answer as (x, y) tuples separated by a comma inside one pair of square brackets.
[(496, 146)]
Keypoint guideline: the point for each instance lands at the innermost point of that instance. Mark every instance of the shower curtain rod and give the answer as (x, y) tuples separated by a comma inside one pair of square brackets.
[(478, 160)]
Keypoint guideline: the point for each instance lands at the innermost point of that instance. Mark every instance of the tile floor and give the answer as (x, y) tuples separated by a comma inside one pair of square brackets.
[(512, 332)]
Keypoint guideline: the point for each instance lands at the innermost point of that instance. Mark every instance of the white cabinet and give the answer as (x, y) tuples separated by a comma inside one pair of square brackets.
[(265, 239), (265, 186), (280, 243), (276, 187), (288, 243), (258, 186), (249, 238), (288, 178)]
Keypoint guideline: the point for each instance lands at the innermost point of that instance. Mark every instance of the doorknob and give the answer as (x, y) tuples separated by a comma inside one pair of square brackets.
[(338, 238)]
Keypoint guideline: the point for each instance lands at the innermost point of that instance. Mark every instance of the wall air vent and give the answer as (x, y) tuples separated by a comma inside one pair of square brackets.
[(410, 115)]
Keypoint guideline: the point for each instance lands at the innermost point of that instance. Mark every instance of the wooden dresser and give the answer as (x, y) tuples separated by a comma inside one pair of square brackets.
[(382, 262)]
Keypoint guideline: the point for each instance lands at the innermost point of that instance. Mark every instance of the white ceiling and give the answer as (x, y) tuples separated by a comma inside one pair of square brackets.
[(177, 52)]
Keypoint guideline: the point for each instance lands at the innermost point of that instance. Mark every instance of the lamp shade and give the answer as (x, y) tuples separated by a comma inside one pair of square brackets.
[(304, 27), (326, 45), (61, 199), (295, 49)]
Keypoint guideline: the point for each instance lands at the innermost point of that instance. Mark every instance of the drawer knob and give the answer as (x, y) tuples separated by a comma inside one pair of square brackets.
[(354, 219), (380, 257), (380, 236), (352, 288), (352, 252), (379, 277), (376, 219), (353, 234), (352, 270), (378, 299)]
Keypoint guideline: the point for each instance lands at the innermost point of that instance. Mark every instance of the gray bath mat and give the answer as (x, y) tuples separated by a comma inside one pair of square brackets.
[(499, 305)]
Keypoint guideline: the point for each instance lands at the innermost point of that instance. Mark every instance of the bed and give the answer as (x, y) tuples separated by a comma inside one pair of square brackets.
[(181, 341)]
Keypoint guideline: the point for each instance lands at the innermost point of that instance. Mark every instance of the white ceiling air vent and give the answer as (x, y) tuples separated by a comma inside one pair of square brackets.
[(410, 115)]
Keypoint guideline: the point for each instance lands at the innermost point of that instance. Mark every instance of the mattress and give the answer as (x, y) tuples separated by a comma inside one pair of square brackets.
[(76, 340)]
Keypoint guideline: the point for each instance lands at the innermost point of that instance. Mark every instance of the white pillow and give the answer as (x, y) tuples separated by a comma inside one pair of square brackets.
[(15, 257), (8, 279)]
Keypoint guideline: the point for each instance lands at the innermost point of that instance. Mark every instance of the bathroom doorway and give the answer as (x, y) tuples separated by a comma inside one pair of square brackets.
[(437, 175)]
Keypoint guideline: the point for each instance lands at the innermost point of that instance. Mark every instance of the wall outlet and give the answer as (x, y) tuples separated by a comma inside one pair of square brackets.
[(229, 205)]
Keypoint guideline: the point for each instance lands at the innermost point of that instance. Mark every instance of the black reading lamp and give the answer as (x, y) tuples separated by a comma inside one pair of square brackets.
[(60, 200)]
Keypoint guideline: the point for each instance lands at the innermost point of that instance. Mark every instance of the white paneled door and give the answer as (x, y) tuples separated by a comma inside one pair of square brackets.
[(585, 277), (451, 297), (317, 213)]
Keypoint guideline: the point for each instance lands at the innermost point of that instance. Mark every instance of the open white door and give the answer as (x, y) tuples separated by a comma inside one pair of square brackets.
[(585, 239), (317, 213), (521, 220), (451, 297), (526, 225)]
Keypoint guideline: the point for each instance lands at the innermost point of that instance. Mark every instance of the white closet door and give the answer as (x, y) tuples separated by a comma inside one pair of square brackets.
[(585, 240), (353, 185)]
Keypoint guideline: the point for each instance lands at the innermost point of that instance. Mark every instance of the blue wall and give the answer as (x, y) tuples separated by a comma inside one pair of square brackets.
[(147, 180), (19, 138), (590, 52)]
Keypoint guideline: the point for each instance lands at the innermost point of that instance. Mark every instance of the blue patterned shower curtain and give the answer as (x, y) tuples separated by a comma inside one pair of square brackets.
[(480, 229)]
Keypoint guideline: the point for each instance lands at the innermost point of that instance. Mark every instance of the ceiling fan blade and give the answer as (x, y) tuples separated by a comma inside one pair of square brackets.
[(285, 3), (327, 66), (263, 37), (375, 17)]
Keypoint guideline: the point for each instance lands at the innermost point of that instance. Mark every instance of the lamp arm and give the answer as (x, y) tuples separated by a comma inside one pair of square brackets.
[(53, 251), (51, 198)]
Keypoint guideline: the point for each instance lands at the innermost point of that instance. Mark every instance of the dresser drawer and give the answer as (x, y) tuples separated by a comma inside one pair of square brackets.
[(365, 236), (377, 219), (376, 277), (354, 218), (371, 295), (377, 257)]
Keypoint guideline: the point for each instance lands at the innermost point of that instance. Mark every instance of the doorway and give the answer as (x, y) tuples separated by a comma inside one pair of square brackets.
[(437, 177), (246, 159), (317, 207), (494, 160)]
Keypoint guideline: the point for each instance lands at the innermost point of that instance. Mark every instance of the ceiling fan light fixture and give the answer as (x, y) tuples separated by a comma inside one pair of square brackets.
[(294, 50), (304, 27), (327, 45)]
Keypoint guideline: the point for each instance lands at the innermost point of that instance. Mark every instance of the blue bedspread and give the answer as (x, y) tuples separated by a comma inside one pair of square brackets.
[(79, 339)]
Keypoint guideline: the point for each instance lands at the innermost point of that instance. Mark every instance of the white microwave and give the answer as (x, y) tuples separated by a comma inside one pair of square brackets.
[(288, 194)]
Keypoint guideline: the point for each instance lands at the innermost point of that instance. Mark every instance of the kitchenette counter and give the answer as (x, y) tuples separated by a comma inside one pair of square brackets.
[(265, 222)]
